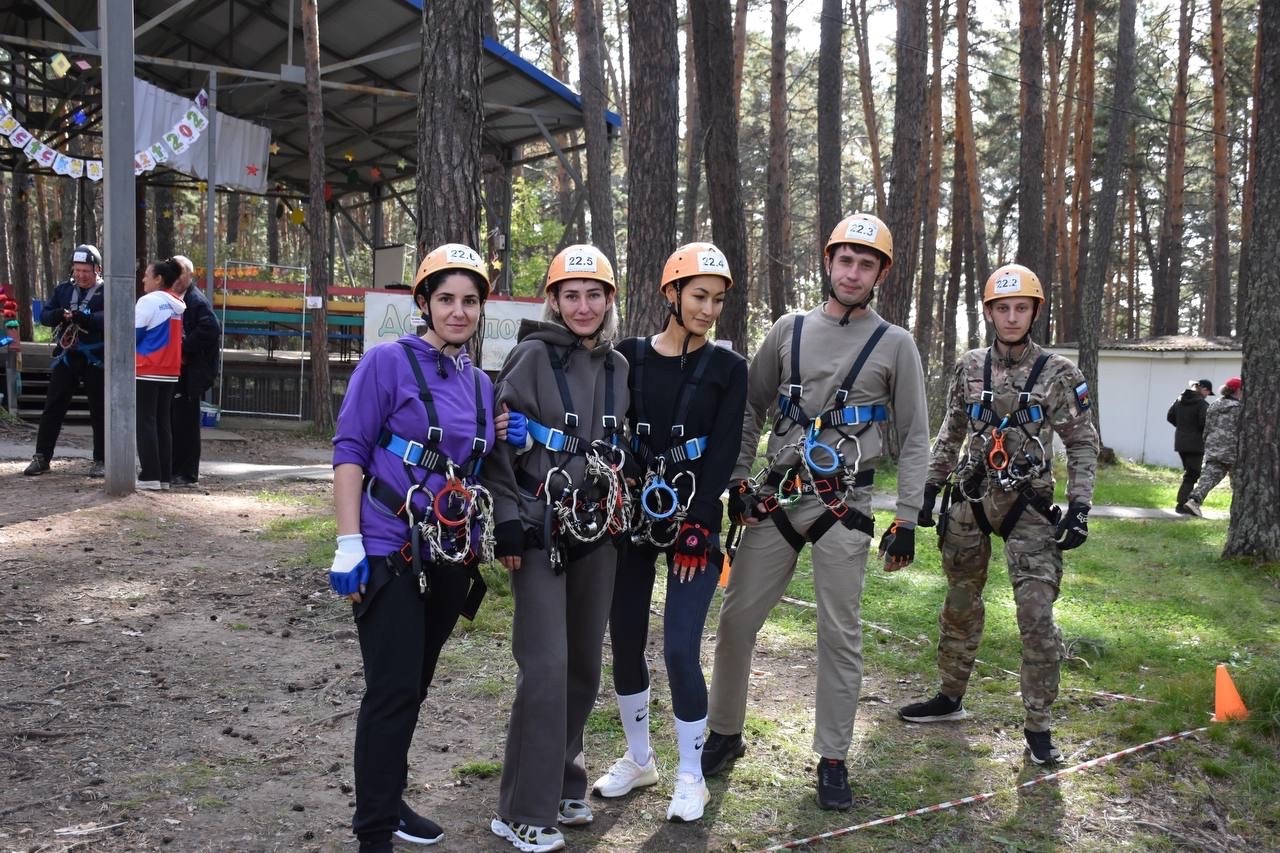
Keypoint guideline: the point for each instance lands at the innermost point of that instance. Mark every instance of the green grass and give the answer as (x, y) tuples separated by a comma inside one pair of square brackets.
[(478, 769)]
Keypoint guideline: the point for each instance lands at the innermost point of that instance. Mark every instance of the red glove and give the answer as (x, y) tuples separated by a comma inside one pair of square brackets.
[(691, 547)]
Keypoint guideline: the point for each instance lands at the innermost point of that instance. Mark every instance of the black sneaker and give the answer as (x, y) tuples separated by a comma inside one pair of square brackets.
[(1041, 748), (833, 784), (417, 829), (39, 465), (937, 710), (1181, 509), (97, 469), (720, 751)]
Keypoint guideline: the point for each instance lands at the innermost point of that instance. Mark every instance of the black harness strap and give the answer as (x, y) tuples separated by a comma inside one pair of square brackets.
[(641, 445), (558, 366), (789, 406)]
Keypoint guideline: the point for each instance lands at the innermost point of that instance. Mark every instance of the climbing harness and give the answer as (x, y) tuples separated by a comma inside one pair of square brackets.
[(457, 527)]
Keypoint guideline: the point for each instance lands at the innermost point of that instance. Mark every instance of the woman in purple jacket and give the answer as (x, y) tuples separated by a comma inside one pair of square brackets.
[(413, 524)]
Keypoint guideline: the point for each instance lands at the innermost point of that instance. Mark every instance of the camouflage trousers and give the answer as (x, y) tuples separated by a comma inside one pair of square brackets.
[(1035, 570), (1213, 473)]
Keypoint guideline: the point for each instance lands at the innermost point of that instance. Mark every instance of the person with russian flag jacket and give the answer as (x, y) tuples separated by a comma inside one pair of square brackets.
[(157, 322)]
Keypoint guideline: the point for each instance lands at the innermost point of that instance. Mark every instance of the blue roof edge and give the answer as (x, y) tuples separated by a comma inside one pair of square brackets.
[(535, 73)]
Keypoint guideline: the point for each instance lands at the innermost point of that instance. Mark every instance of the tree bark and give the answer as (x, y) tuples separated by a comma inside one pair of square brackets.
[(777, 209), (858, 23), (1057, 133), (1167, 276), (933, 194), (894, 299), (586, 24), (739, 51), (5, 273), (560, 70), (1255, 505), (830, 115), (1105, 206), (233, 218), (317, 223), (24, 288), (713, 54), (42, 214), (651, 191), (694, 143), (450, 116), (1250, 195), (964, 129), (1031, 244), (1218, 305), (1082, 186)]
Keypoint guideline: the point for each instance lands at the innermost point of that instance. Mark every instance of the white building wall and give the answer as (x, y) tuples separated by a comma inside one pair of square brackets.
[(1136, 388)]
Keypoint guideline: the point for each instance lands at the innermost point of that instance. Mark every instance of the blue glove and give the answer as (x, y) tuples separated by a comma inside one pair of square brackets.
[(350, 571), (517, 430)]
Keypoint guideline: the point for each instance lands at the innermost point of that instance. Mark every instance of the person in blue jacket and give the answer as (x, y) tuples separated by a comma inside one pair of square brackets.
[(75, 312), (413, 524)]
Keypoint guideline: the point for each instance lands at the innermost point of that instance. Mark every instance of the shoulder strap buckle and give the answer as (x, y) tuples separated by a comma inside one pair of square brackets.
[(435, 434), (413, 452), (571, 419)]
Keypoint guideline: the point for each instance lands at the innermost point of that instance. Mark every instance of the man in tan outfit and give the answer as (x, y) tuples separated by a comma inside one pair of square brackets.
[(833, 375)]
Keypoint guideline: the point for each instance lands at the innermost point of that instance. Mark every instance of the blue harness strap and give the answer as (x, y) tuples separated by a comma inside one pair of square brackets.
[(678, 450)]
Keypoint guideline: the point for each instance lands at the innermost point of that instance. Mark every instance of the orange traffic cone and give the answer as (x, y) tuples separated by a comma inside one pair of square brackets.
[(1227, 704)]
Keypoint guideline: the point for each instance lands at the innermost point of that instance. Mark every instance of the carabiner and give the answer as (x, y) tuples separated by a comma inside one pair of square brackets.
[(660, 487), (452, 486)]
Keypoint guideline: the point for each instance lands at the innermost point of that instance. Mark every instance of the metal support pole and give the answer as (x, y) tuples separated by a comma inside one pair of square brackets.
[(211, 186), (119, 197)]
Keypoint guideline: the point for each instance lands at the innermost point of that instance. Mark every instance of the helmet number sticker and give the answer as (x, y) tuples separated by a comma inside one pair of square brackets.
[(1008, 283), (464, 255), (580, 262), (713, 262), (860, 228)]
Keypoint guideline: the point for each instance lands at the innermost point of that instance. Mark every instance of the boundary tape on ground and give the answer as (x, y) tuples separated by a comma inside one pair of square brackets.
[(978, 798), (1105, 694)]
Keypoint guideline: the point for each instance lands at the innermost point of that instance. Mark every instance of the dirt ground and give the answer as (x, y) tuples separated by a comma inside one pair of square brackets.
[(174, 678)]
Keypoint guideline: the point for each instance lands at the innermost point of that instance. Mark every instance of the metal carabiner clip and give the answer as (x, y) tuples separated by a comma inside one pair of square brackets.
[(812, 459), (850, 471)]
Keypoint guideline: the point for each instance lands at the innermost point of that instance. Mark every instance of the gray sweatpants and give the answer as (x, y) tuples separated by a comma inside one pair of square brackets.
[(761, 571), (556, 639)]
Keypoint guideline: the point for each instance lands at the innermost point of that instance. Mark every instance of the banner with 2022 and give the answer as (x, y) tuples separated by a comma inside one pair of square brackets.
[(186, 130)]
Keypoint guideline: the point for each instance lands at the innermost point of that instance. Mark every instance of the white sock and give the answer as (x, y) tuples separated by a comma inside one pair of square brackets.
[(634, 710), (690, 736)]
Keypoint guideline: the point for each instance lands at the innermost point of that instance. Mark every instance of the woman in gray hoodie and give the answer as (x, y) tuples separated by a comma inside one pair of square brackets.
[(559, 500)]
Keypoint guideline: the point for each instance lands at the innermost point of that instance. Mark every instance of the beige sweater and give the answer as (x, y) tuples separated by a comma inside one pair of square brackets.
[(891, 375)]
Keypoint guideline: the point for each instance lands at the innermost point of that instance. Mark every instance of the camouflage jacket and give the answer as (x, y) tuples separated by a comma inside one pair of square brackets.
[(1060, 392), (1222, 430)]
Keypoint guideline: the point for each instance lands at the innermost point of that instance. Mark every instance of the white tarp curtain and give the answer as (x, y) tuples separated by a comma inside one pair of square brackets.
[(242, 147)]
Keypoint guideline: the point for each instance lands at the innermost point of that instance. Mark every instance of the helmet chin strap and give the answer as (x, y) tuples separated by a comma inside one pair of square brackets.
[(677, 312), (850, 307)]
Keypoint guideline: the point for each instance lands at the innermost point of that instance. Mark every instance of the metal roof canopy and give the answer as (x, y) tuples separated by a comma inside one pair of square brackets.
[(370, 60)]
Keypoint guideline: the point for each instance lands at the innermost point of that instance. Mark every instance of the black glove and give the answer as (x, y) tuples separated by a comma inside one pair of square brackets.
[(508, 539), (742, 502), (925, 518), (898, 541), (82, 317), (1073, 528), (691, 546)]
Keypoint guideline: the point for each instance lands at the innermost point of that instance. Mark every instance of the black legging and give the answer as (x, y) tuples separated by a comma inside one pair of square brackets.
[(683, 619), (155, 436), (1191, 463)]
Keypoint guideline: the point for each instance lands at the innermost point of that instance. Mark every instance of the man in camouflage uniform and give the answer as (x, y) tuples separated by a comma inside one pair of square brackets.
[(1221, 433), (1003, 408)]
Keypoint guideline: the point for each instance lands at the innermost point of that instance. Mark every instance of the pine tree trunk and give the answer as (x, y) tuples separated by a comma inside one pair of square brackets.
[(694, 144), (1057, 126), (317, 225), (1250, 182), (1031, 245), (713, 55), (1167, 276), (1131, 296), (233, 218), (964, 128), (6, 274), (777, 209), (1082, 187), (955, 257), (24, 286), (273, 232), (586, 24), (49, 271), (910, 91), (830, 116), (739, 51), (1255, 505), (858, 22), (560, 70), (162, 209), (1218, 308), (1105, 206), (651, 191), (933, 193)]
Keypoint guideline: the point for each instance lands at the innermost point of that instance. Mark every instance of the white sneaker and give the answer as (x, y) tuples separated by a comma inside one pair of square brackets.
[(575, 813), (149, 485), (625, 776), (690, 798), (530, 839)]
